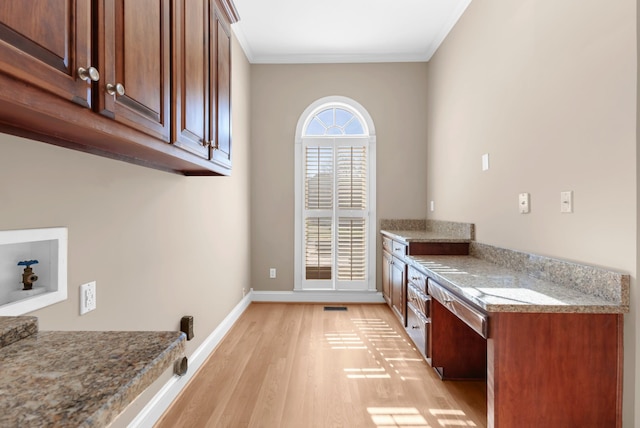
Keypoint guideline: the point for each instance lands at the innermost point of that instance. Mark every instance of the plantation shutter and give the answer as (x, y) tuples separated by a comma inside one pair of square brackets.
[(352, 205), (318, 226), (335, 206)]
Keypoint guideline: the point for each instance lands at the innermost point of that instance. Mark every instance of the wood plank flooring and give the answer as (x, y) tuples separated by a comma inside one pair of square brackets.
[(297, 365)]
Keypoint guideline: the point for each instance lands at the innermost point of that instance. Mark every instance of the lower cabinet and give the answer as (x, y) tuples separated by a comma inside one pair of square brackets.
[(419, 317), (418, 328), (386, 276), (398, 285)]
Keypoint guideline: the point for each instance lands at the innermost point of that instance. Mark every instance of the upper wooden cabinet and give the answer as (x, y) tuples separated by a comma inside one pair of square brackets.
[(46, 43), (193, 88), (134, 58), (202, 81), (98, 76), (221, 151)]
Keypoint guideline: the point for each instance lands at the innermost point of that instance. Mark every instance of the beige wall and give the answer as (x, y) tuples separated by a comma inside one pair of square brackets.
[(394, 96), (548, 89), (159, 245)]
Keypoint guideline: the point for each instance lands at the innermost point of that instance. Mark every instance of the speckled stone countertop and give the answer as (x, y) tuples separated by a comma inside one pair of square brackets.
[(80, 379), (501, 280), (427, 231), (13, 329)]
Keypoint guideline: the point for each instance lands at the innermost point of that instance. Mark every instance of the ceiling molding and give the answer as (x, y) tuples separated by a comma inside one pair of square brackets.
[(337, 58), (424, 54), (446, 28)]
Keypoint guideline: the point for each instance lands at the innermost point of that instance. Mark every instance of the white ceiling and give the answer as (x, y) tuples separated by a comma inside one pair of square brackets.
[(334, 31)]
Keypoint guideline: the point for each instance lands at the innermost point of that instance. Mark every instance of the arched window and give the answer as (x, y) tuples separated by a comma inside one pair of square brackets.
[(335, 197)]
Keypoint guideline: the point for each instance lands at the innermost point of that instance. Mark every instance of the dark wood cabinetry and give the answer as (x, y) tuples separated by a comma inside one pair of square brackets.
[(386, 276), (193, 81), (133, 52), (46, 43), (458, 336), (394, 276), (398, 284), (97, 76), (221, 150)]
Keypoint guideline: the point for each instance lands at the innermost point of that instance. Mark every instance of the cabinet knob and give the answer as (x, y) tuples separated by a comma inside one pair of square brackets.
[(89, 74), (117, 89)]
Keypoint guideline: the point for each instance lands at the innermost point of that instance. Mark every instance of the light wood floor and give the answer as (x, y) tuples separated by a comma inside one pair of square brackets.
[(297, 366)]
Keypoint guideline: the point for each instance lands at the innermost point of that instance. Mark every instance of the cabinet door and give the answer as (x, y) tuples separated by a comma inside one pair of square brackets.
[(221, 151), (386, 277), (398, 294), (134, 48), (191, 77), (45, 42)]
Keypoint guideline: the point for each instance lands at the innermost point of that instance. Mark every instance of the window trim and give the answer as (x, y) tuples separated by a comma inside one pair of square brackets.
[(306, 116)]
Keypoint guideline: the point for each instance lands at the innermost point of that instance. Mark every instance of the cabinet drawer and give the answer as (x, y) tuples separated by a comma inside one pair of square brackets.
[(387, 244), (399, 250), (419, 300), (417, 328), (417, 278), (472, 317)]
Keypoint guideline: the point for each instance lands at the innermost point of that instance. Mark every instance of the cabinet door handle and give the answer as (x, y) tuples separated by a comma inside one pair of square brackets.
[(117, 89), (89, 74)]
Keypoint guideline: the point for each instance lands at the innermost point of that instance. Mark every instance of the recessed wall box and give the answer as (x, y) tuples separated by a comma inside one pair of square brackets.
[(46, 246)]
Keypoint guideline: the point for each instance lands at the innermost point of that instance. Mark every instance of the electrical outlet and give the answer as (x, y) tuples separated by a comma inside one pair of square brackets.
[(524, 202), (272, 273), (566, 202), (87, 297)]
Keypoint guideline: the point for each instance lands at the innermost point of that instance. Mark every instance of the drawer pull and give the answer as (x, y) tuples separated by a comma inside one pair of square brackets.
[(415, 278), (415, 326)]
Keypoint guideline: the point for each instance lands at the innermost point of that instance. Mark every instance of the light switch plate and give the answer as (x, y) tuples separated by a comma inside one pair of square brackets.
[(485, 162), (523, 203)]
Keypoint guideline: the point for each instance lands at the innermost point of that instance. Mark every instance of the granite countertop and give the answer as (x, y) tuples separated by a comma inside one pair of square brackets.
[(408, 231), (496, 288), (409, 236), (13, 329), (79, 378)]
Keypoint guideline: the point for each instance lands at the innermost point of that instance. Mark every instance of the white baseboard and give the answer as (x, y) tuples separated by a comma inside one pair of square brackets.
[(317, 296), (150, 414)]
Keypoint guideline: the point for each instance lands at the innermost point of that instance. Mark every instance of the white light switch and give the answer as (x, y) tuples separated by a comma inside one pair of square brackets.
[(485, 161), (432, 206), (523, 203), (566, 202)]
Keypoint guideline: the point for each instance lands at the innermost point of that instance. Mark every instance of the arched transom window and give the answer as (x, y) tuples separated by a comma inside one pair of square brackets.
[(334, 121)]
